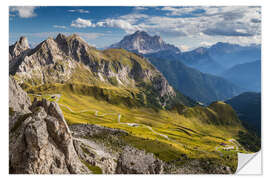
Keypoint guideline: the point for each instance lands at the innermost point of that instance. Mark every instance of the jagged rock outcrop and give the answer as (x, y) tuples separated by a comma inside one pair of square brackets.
[(39, 140), (17, 52), (102, 147), (134, 161), (143, 43), (19, 47), (18, 99), (40, 143)]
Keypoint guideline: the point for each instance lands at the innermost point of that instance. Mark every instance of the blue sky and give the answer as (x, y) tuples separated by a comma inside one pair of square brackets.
[(185, 27)]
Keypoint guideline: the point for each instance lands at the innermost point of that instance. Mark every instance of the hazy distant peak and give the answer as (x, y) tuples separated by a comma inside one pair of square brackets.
[(142, 42)]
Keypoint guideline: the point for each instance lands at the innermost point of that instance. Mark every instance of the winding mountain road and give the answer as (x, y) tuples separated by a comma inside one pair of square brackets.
[(129, 124)]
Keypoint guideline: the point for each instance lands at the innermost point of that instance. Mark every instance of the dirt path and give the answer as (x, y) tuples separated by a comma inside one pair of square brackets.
[(119, 121)]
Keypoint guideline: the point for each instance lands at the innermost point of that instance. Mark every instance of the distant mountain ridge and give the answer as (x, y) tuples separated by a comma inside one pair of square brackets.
[(199, 86), (246, 75), (229, 55), (214, 59), (143, 43), (201, 59), (191, 82)]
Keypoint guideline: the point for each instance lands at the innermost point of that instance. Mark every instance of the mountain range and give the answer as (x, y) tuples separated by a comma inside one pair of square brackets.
[(182, 69), (76, 109), (229, 55), (202, 87), (69, 59)]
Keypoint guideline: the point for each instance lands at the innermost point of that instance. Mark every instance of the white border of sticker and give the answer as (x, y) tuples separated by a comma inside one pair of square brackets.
[(250, 167)]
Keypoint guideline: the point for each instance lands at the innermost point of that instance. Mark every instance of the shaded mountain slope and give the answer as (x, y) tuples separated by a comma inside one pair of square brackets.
[(199, 86), (201, 60), (247, 75), (248, 107)]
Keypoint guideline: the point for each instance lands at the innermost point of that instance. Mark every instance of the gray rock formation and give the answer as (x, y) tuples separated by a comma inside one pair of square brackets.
[(134, 161), (102, 147), (18, 47), (41, 143), (18, 99), (143, 43)]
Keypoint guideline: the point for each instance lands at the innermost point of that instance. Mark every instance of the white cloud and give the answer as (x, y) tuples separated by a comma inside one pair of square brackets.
[(210, 24), (178, 11), (24, 11), (60, 27), (235, 24), (140, 8), (82, 23), (118, 23), (79, 11)]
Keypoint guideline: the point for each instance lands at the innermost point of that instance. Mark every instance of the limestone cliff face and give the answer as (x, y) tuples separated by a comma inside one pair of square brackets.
[(40, 141), (69, 59), (18, 98), (19, 47)]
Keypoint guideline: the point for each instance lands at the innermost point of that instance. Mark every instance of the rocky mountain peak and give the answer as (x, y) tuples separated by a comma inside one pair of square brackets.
[(18, 48), (61, 36), (24, 42), (74, 37), (143, 43)]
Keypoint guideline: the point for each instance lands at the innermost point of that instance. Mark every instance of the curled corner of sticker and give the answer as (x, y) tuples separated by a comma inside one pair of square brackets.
[(249, 164)]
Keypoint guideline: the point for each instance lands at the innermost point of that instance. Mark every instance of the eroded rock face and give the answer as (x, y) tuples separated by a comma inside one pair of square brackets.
[(40, 143), (102, 147), (19, 47), (18, 99), (134, 161)]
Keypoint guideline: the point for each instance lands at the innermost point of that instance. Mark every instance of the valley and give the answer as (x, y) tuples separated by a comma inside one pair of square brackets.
[(110, 104), (182, 133)]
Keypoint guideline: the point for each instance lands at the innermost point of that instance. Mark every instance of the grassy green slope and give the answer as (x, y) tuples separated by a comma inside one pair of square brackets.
[(196, 132)]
